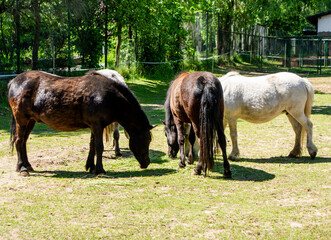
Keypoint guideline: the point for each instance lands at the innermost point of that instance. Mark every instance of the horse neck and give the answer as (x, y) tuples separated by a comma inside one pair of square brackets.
[(169, 119), (134, 120)]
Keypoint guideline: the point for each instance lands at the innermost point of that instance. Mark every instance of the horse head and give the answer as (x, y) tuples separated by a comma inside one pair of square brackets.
[(139, 145), (172, 139)]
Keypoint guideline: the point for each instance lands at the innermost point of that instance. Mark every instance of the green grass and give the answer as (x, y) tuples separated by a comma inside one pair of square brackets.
[(269, 197)]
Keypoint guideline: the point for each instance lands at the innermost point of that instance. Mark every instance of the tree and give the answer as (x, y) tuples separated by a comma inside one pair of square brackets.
[(36, 10)]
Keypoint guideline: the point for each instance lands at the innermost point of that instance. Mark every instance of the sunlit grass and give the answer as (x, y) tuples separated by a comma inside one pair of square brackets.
[(269, 197)]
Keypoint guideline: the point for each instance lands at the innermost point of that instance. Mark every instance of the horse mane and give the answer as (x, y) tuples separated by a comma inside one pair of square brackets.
[(168, 114), (128, 94), (228, 75), (108, 73)]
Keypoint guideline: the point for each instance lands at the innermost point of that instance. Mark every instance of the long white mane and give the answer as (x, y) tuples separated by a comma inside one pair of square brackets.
[(113, 75), (229, 74)]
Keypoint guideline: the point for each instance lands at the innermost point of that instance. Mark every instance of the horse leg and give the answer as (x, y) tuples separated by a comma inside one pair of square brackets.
[(99, 149), (116, 136), (296, 152), (190, 159), (90, 159), (181, 138), (28, 130), (233, 134), (23, 129), (222, 143), (308, 126)]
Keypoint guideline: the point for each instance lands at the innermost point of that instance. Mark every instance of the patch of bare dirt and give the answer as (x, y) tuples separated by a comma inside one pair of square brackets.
[(323, 88)]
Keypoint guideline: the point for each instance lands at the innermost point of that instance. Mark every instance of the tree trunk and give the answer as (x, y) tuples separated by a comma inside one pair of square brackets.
[(5, 49), (118, 44), (69, 36), (18, 36), (224, 30), (36, 9), (2, 6), (106, 34), (219, 36)]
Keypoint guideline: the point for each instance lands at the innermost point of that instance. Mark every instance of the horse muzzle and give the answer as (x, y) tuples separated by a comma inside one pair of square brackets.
[(145, 165), (172, 153)]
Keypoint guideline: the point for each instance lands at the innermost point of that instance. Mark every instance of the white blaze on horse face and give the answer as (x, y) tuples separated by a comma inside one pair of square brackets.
[(113, 75)]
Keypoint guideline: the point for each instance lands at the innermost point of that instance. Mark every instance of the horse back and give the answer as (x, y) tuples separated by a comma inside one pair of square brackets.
[(176, 104), (197, 84), (65, 104), (260, 99), (199, 88)]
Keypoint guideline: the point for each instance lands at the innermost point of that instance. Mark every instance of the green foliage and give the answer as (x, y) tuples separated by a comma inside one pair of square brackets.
[(4, 106), (145, 31), (128, 71)]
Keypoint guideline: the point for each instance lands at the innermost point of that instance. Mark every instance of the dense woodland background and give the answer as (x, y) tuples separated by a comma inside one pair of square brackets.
[(40, 34)]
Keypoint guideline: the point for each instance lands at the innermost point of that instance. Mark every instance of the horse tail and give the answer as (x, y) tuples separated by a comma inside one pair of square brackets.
[(107, 132), (310, 98), (209, 120), (12, 133), (308, 105)]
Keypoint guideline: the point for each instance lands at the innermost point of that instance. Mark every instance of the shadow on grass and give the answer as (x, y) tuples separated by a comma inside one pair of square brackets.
[(154, 155), (325, 110), (285, 160), (109, 174), (240, 173)]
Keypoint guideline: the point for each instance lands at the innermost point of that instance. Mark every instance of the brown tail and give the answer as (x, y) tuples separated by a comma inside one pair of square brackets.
[(12, 133), (209, 120)]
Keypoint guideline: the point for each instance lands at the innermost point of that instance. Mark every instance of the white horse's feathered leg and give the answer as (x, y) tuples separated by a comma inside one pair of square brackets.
[(297, 128), (234, 139)]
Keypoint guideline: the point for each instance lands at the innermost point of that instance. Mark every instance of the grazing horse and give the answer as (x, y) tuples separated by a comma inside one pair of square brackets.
[(113, 128), (260, 99), (195, 98), (73, 103)]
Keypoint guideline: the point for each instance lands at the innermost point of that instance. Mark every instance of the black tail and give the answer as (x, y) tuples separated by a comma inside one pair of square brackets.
[(12, 133), (209, 122)]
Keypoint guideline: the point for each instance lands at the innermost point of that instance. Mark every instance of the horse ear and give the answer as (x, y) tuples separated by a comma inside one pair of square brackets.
[(153, 126), (162, 121)]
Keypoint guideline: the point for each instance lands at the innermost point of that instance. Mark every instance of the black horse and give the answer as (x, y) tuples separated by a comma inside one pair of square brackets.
[(196, 98), (71, 103)]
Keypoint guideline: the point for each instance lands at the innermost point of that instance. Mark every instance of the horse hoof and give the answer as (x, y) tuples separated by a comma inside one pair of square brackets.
[(181, 165), (291, 155), (100, 172), (228, 175), (196, 172), (118, 155), (25, 174), (30, 169), (190, 162), (232, 157), (313, 155)]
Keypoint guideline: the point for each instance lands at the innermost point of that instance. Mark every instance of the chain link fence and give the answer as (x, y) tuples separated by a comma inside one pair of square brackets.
[(299, 53)]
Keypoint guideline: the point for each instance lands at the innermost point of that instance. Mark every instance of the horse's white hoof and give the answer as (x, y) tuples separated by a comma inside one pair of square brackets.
[(25, 174)]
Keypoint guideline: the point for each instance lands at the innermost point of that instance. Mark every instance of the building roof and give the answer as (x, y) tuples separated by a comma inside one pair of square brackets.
[(314, 19)]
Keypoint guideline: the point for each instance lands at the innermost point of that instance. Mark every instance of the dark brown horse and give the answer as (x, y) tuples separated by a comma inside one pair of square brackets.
[(196, 98), (71, 103)]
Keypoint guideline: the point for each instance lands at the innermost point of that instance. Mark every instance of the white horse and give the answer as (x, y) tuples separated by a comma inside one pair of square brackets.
[(113, 128), (260, 99)]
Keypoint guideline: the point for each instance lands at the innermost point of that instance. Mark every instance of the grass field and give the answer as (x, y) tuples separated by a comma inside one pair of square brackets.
[(269, 196)]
